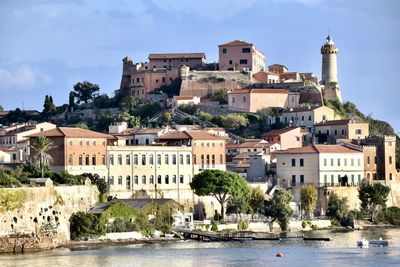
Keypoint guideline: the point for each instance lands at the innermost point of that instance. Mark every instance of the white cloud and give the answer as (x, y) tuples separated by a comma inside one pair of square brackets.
[(23, 77)]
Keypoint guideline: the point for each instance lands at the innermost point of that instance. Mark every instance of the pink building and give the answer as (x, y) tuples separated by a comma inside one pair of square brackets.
[(277, 68), (266, 77), (287, 137), (239, 55), (251, 100), (176, 60)]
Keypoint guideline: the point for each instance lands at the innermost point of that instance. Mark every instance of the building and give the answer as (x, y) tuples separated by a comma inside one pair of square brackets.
[(287, 137), (330, 131), (13, 138), (277, 68), (266, 77), (252, 100), (208, 150), (77, 150), (385, 158), (240, 55), (154, 171), (184, 100), (307, 117), (329, 78), (176, 60), (320, 165), (251, 147)]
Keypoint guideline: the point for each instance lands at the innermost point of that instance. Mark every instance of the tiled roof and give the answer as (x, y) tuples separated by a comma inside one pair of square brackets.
[(319, 149), (71, 132), (236, 43), (277, 132), (338, 122), (183, 97), (302, 109), (149, 131), (177, 55), (194, 135), (259, 91), (277, 65)]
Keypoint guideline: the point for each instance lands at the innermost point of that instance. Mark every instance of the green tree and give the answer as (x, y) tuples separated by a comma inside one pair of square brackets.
[(42, 146), (308, 197), (338, 208), (6, 180), (234, 121), (1, 108), (189, 109), (71, 101), (221, 185), (221, 96), (372, 195), (279, 208), (167, 117), (99, 182), (85, 91), (205, 116), (128, 104), (256, 200), (85, 225)]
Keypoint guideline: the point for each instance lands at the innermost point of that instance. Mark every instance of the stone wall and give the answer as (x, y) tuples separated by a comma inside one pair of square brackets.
[(43, 221)]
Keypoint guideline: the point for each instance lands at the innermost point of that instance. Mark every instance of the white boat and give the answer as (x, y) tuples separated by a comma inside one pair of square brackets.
[(169, 235), (363, 243), (379, 242)]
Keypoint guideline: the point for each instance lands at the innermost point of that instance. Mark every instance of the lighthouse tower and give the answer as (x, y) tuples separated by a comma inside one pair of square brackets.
[(329, 81), (329, 61)]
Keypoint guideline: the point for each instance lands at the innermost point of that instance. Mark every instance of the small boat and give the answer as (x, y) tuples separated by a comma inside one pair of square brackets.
[(363, 243), (169, 235), (379, 242)]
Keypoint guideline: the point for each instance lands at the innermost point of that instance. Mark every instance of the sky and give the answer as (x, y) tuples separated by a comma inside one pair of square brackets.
[(47, 46)]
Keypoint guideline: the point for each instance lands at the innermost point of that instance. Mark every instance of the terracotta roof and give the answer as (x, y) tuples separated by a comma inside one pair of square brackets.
[(319, 149), (72, 132), (149, 131), (302, 109), (177, 55), (338, 122), (173, 136), (183, 97), (277, 132), (236, 43), (259, 91), (194, 135), (277, 65)]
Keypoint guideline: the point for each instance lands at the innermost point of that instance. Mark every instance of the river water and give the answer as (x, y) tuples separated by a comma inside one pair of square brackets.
[(341, 251)]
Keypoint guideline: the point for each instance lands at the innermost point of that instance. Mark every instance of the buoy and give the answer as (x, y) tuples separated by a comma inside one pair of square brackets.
[(279, 254)]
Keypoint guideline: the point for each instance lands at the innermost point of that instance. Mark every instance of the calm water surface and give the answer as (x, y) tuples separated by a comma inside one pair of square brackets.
[(342, 251)]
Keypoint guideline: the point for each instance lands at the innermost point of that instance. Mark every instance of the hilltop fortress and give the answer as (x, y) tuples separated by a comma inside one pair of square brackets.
[(241, 66)]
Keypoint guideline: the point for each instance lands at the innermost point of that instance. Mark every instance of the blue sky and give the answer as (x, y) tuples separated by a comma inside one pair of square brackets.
[(47, 46)]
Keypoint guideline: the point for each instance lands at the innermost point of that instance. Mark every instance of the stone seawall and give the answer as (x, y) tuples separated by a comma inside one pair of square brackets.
[(42, 221)]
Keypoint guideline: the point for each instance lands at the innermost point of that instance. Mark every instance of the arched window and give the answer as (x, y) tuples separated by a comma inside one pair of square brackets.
[(368, 160), (70, 159), (213, 160), (368, 176), (93, 159), (174, 179), (181, 179), (221, 159), (159, 179), (181, 159), (87, 160), (128, 159), (143, 159), (135, 159), (111, 180), (120, 180), (111, 159), (166, 159), (188, 159), (390, 159), (119, 159), (103, 159), (151, 179), (151, 159), (166, 179), (159, 159), (208, 159), (144, 179), (174, 159), (136, 179), (128, 182), (390, 176)]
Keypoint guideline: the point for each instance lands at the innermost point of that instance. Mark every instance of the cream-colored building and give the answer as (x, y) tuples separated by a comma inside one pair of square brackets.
[(332, 130), (158, 171), (252, 100), (320, 165), (307, 117)]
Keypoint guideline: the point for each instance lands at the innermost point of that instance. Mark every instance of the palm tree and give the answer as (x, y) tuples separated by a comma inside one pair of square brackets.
[(42, 145)]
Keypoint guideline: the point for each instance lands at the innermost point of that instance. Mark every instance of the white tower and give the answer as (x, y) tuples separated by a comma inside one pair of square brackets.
[(329, 62)]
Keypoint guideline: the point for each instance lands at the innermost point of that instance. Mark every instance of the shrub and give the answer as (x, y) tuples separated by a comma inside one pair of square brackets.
[(83, 225), (392, 215), (242, 225), (214, 227), (6, 180)]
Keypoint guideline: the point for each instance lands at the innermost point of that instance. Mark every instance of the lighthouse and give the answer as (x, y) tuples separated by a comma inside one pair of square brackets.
[(329, 62)]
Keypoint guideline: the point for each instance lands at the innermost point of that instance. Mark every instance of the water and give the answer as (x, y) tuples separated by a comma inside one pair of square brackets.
[(342, 251)]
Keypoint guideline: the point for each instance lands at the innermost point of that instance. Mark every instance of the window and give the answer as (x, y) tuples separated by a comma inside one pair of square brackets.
[(244, 99), (233, 99), (166, 160), (390, 159), (358, 131), (188, 159), (375, 160), (243, 61), (181, 159), (87, 160), (163, 79), (159, 179), (159, 159), (368, 160), (181, 179), (221, 159), (223, 50), (325, 162), (174, 179), (166, 179), (359, 179), (143, 159), (326, 179), (335, 132), (70, 160), (352, 179), (111, 180), (174, 159), (389, 143), (331, 162), (309, 118), (323, 117), (358, 162), (119, 159), (302, 178), (194, 159), (136, 179), (144, 179), (338, 162), (87, 143), (128, 159), (332, 180), (151, 159), (352, 162), (345, 162), (202, 160), (213, 160), (94, 143), (120, 180), (93, 159), (208, 159), (301, 162), (230, 62), (293, 180), (293, 162), (111, 159), (151, 179), (128, 182), (135, 159), (390, 176), (246, 50)]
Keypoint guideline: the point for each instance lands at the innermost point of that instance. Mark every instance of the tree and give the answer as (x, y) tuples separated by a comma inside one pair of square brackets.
[(256, 200), (42, 146), (234, 121), (338, 208), (95, 179), (221, 96), (1, 108), (71, 101), (205, 116), (84, 225), (49, 109), (308, 197), (372, 195), (221, 185), (85, 91), (167, 117), (279, 208)]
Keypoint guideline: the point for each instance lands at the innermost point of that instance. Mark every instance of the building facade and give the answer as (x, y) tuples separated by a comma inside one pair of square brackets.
[(331, 130), (287, 137), (307, 117), (252, 100)]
